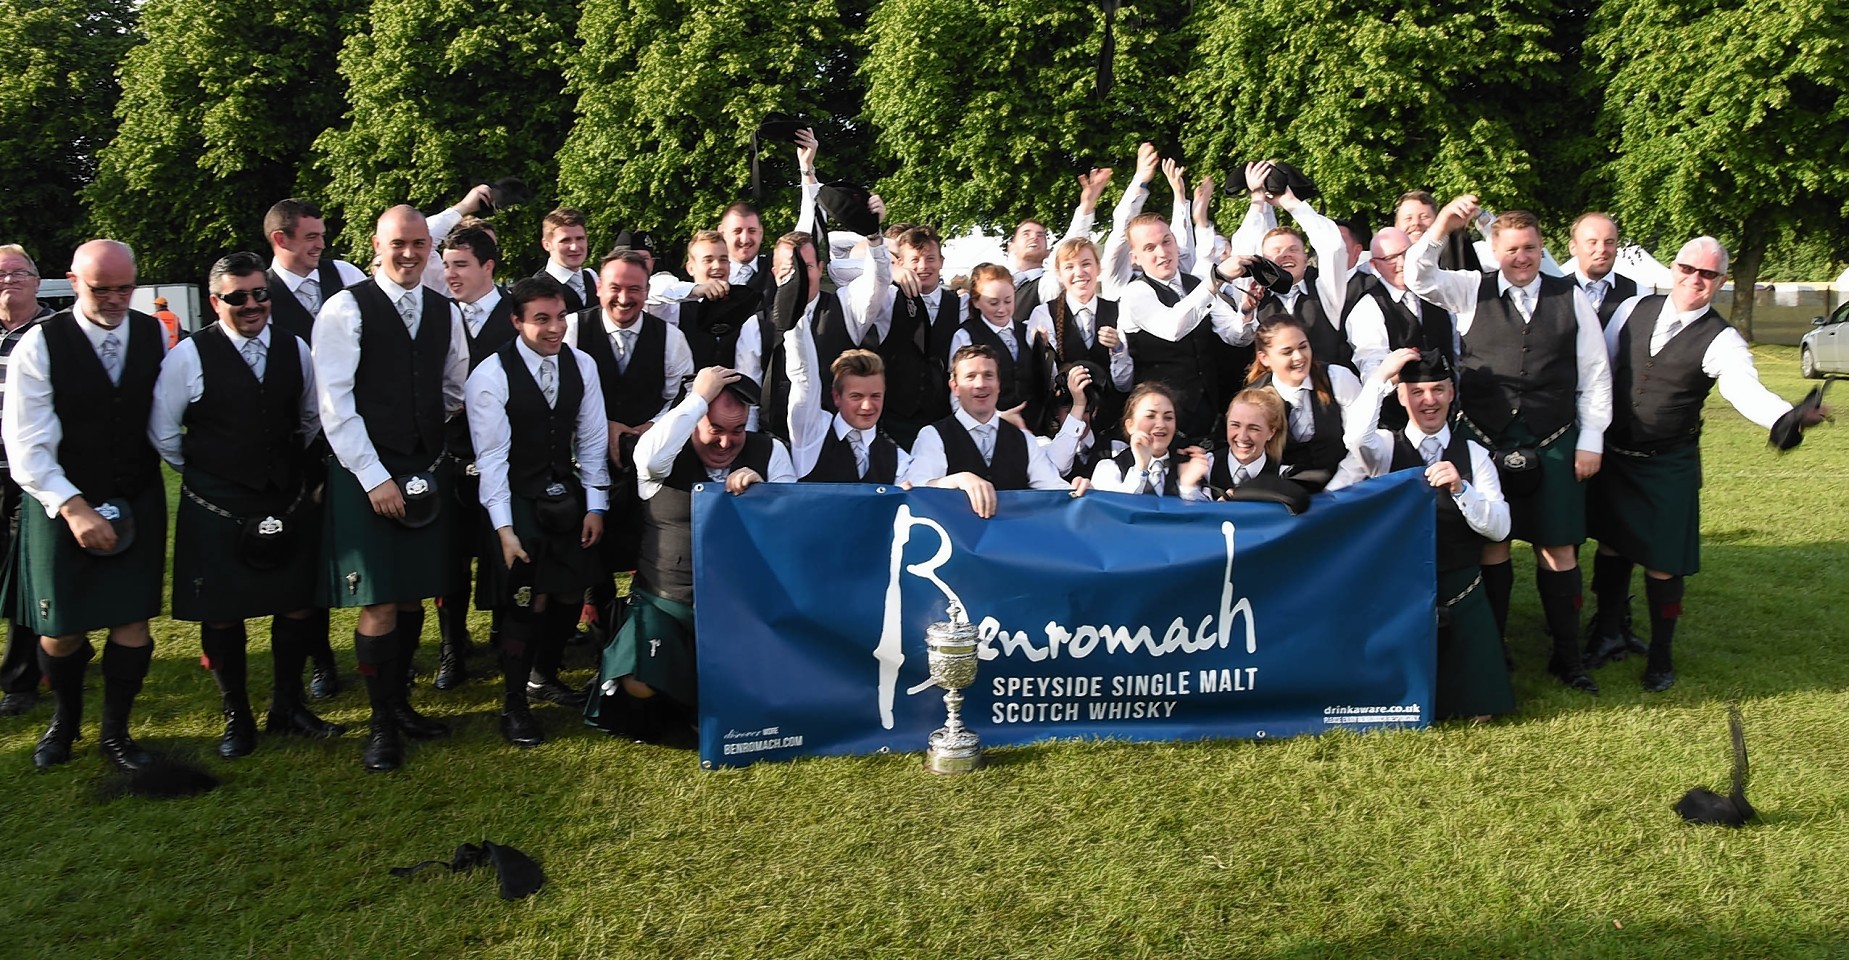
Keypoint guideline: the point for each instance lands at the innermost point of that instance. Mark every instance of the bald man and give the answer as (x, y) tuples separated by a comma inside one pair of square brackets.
[(390, 362), (1389, 316), (1594, 246), (92, 552)]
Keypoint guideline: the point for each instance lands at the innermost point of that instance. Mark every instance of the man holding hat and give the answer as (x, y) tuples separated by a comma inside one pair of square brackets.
[(234, 412), (1316, 300), (537, 415), (1473, 677), (390, 361), (1667, 353), (646, 687), (708, 309), (92, 553)]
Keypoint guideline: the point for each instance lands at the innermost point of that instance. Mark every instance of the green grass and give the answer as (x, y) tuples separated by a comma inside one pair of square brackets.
[(1546, 834)]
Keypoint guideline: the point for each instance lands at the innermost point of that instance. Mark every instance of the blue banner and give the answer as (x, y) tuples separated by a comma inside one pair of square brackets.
[(1107, 615)]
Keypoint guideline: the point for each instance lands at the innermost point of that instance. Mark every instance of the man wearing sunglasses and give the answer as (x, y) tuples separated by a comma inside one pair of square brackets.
[(1667, 354), (92, 551), (234, 413)]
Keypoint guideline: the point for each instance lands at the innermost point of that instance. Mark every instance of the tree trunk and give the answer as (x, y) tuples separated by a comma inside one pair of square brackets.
[(1755, 233)]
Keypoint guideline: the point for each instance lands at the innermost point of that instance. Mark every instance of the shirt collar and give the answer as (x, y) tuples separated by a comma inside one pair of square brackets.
[(971, 423), (1416, 436), (1254, 468), (1074, 306), (561, 273), (393, 291), (238, 340), (1533, 287), (1579, 277), (842, 430), (289, 278)]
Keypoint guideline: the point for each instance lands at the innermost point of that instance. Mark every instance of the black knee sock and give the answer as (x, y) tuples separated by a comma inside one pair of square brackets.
[(519, 646), (1560, 602), (410, 632), (318, 639), (124, 668), (289, 642), (19, 672), (65, 676), (1611, 586), (378, 663), (227, 656), (556, 625), (1498, 582), (1665, 600)]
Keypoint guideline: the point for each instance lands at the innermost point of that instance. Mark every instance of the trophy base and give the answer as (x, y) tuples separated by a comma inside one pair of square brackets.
[(953, 752)]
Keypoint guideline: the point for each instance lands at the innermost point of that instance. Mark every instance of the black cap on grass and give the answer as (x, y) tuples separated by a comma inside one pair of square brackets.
[(520, 875)]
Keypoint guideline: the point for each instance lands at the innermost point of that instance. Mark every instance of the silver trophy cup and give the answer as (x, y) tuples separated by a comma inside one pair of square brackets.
[(951, 651)]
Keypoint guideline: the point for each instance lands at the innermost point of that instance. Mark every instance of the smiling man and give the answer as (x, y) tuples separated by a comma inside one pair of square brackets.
[(974, 450), (562, 236), (302, 278), (1594, 245), (390, 361), (1536, 389)]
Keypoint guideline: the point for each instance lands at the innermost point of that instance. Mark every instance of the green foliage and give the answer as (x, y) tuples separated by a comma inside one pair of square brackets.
[(219, 107), (1372, 100), (442, 95), (669, 91), (56, 97), (985, 112)]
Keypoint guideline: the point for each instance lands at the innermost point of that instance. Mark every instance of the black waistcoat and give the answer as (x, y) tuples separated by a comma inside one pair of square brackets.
[(543, 438), (398, 386), (835, 464), (633, 396), (664, 556), (1509, 368), (1328, 344), (1191, 366), (1026, 298), (1656, 401), (831, 338), (916, 352), (1324, 450), (288, 313), (712, 326), (1171, 485), (774, 406), (1014, 374), (496, 332), (1109, 415), (961, 455), (105, 450), (1429, 331), (1458, 545), (573, 302), (1221, 474), (242, 430), (1621, 288)]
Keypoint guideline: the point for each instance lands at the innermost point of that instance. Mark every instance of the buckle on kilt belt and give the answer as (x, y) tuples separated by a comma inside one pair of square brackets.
[(1519, 468), (264, 543)]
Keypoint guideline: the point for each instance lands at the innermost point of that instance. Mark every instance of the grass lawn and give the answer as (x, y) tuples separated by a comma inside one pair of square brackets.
[(1546, 834)]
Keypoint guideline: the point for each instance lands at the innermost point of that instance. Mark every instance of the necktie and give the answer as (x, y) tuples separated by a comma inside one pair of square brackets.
[(549, 381), (860, 451), (1085, 329), (1240, 476), (626, 344), (1007, 335), (1522, 304), (407, 311), (1302, 418), (1669, 332), (1411, 301), (717, 474), (253, 356), (1595, 292), (309, 293), (985, 441), (112, 356), (1156, 469), (576, 283), (870, 342), (471, 314), (1430, 450)]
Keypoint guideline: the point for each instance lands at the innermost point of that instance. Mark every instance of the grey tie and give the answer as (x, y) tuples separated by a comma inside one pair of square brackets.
[(1669, 332), (1302, 417), (309, 293), (1411, 300), (626, 345), (549, 381), (1156, 469), (1085, 329), (254, 353), (1240, 476), (1522, 304), (985, 441), (407, 310), (1595, 292), (112, 356), (1007, 335), (860, 451), (470, 312), (576, 283), (1430, 449)]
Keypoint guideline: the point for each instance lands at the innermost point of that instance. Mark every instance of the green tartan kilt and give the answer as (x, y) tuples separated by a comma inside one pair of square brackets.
[(560, 566), (1555, 514), (1649, 509), (655, 645), (210, 582), (1473, 677), (64, 590), (370, 559)]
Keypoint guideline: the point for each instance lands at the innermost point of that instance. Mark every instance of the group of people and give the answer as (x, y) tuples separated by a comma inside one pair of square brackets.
[(423, 432)]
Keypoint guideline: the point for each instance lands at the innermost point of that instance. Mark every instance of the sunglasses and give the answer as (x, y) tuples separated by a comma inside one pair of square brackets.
[(237, 297), (1709, 275)]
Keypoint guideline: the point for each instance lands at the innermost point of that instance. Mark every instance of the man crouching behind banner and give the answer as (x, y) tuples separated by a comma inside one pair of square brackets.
[(646, 687), (977, 450), (1473, 677), (536, 409)]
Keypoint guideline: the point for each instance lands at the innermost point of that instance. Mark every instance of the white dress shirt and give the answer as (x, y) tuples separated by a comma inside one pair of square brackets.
[(1367, 327), (441, 224), (350, 275), (489, 427), (1233, 466), (1139, 309), (809, 423), (677, 363), (1107, 476), (1325, 240), (1480, 500), (182, 383), (1062, 449), (29, 423), (1728, 360), (1117, 271), (337, 360), (1456, 291), (1085, 318), (480, 308), (929, 462), (657, 449)]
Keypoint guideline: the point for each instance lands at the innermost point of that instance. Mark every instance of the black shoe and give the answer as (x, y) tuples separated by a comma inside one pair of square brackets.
[(415, 725), (1657, 681), (554, 690), (299, 721), (1610, 648), (123, 753), (15, 704), (1579, 681), (384, 751), (520, 728), (450, 671), (324, 682), (55, 746), (240, 737)]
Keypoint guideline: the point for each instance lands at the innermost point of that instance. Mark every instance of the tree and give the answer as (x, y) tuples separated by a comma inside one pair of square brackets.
[(669, 91), (56, 98), (1372, 100), (219, 107), (984, 113), (442, 95), (1729, 120)]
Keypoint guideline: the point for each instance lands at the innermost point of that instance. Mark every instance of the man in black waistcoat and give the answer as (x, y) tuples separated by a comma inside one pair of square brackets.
[(1594, 245), (1667, 354), (92, 550), (470, 255), (924, 315), (646, 685), (708, 309), (537, 414), (563, 238), (1319, 299), (20, 311), (234, 413), (390, 361), (743, 229), (1389, 317), (1535, 388), (974, 449)]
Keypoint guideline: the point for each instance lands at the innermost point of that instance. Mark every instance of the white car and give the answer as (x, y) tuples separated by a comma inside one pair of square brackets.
[(1825, 350)]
